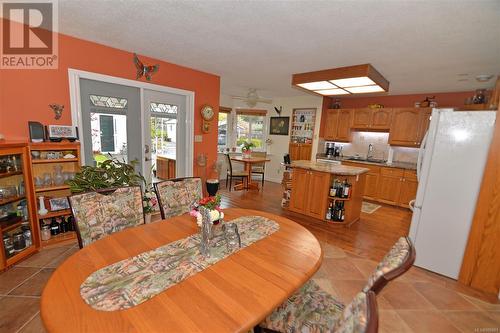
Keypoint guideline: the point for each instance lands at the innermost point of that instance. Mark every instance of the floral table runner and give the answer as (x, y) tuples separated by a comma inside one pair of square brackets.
[(133, 281)]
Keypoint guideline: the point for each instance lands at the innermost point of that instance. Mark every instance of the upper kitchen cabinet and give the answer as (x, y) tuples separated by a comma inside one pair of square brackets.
[(372, 119), (408, 126), (337, 125)]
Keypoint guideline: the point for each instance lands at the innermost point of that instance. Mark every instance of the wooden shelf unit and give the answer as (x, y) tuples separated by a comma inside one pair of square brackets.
[(14, 178), (41, 166)]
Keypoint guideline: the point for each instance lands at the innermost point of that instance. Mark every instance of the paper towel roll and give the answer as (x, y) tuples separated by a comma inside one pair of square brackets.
[(390, 155)]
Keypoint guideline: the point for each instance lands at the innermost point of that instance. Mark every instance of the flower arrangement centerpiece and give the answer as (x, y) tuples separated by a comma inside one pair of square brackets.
[(246, 148), (212, 204), (149, 201)]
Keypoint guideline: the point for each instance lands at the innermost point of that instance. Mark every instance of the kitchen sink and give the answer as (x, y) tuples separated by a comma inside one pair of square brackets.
[(370, 160)]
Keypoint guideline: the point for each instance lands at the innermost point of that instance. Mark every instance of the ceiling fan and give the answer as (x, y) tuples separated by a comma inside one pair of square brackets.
[(252, 98)]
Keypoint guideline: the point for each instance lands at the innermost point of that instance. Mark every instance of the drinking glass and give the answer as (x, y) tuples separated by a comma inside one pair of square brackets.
[(233, 240)]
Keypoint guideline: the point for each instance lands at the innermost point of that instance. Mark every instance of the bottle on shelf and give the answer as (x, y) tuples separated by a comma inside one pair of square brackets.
[(329, 211), (71, 223), (63, 225), (54, 227), (346, 189)]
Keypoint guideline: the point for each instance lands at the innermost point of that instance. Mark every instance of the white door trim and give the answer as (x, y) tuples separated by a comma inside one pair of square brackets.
[(75, 75)]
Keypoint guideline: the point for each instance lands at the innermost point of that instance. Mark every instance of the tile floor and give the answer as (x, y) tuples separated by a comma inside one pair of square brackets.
[(417, 302)]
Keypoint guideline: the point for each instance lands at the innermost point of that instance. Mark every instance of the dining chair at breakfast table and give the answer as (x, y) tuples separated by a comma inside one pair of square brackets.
[(123, 281), (248, 162)]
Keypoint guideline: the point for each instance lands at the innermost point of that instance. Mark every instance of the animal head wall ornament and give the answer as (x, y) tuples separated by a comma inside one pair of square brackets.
[(143, 70), (58, 110), (278, 111)]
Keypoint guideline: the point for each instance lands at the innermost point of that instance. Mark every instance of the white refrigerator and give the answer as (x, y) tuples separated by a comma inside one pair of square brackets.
[(450, 170)]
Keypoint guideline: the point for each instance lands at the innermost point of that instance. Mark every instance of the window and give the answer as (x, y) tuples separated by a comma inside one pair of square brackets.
[(163, 130), (250, 128), (223, 134)]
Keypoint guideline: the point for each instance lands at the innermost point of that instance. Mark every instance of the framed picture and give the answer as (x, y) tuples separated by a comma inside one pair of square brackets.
[(59, 132), (59, 203), (279, 125)]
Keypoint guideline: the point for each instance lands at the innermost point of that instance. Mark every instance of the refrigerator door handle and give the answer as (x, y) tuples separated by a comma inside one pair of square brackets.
[(421, 153)]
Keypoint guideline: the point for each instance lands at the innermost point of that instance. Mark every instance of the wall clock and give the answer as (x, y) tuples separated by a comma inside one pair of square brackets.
[(207, 113)]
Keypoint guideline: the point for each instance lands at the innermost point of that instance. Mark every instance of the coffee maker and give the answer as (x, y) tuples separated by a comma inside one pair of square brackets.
[(330, 149)]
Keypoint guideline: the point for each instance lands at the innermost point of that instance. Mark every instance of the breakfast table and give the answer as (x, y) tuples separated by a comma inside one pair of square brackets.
[(248, 161), (132, 281)]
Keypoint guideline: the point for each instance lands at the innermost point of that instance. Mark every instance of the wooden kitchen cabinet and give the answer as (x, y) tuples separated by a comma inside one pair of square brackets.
[(408, 126), (338, 125), (300, 151), (409, 187), (381, 119), (331, 121), (344, 125), (389, 185), (309, 192), (374, 119), (361, 118)]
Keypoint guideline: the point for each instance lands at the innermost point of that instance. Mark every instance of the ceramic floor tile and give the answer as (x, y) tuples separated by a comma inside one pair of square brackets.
[(16, 311), (416, 274), (43, 257), (472, 321), (482, 304), (427, 321), (342, 269), (347, 289), (403, 296), (442, 298), (62, 257), (34, 326), (390, 322), (34, 285), (330, 251), (366, 266), (14, 277), (321, 273), (326, 285)]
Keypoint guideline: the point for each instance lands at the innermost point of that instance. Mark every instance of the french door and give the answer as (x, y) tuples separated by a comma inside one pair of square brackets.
[(111, 122), (165, 131)]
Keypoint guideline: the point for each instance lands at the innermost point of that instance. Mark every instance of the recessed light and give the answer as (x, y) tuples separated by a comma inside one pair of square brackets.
[(483, 77), (331, 92), (364, 89), (317, 85), (353, 82)]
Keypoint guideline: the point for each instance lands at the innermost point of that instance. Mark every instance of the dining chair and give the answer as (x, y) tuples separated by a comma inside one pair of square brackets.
[(315, 311), (177, 196), (396, 262), (230, 173), (103, 212), (259, 168)]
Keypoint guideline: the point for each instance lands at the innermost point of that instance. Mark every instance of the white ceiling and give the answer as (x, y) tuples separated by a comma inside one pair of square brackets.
[(419, 46)]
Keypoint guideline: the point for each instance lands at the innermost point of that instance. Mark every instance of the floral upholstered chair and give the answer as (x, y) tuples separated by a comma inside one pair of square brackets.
[(176, 196), (314, 311), (311, 309), (98, 214), (397, 261)]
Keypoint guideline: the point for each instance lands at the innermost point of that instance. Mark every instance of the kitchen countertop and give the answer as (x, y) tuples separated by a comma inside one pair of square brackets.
[(337, 169), (395, 164)]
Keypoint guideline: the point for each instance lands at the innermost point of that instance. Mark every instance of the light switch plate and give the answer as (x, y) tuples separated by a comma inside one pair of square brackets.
[(198, 138)]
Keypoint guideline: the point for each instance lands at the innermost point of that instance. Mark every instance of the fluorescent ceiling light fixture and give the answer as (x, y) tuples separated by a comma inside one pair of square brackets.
[(319, 85), (358, 79), (353, 82), (364, 89), (330, 92)]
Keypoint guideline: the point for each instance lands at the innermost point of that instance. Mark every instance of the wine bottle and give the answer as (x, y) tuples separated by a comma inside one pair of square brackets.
[(329, 212), (347, 189), (63, 226), (54, 227)]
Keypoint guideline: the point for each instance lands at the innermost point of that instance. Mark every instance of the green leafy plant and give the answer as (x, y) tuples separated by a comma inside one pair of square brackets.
[(247, 145), (110, 173)]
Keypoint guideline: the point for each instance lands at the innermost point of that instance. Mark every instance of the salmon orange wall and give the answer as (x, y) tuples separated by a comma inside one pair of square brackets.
[(452, 99), (26, 94)]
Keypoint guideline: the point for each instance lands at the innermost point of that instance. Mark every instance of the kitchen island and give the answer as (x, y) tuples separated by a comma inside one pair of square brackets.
[(311, 184)]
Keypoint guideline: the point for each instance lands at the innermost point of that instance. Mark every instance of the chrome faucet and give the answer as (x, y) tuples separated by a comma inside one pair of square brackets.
[(370, 151)]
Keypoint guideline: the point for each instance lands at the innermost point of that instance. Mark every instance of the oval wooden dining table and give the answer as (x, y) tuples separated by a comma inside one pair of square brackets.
[(233, 295)]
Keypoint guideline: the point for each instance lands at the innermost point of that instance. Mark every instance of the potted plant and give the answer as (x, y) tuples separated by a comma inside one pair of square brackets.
[(246, 148), (113, 173)]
